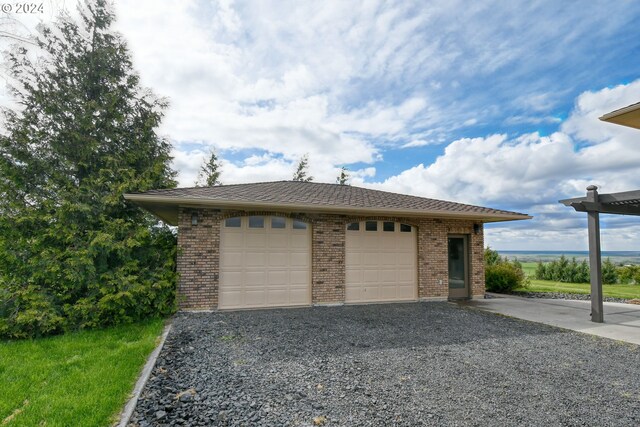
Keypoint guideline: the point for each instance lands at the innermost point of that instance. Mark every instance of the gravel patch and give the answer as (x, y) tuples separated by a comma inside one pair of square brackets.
[(559, 295), (386, 365)]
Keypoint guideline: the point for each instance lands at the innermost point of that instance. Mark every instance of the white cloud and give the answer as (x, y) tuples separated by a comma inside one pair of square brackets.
[(532, 173), (348, 82)]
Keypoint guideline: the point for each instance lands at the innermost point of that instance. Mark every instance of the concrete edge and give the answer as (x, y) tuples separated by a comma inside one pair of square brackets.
[(127, 412)]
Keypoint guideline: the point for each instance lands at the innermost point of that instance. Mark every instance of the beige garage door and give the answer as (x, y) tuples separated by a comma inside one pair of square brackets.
[(381, 262), (265, 261)]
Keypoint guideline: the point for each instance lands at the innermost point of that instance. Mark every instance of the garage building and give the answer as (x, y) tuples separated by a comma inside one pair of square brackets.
[(291, 243)]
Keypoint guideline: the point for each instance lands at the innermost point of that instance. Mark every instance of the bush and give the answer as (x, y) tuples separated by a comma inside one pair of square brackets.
[(563, 270), (502, 275), (491, 257), (609, 272), (629, 274)]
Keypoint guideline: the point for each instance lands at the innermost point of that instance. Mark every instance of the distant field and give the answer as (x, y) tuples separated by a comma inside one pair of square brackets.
[(529, 268), (613, 291), (617, 257)]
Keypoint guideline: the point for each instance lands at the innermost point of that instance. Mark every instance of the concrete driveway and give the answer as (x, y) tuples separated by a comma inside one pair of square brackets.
[(621, 321), (415, 364)]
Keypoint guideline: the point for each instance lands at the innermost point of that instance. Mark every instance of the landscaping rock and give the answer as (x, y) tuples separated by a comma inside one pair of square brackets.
[(428, 364), (559, 295)]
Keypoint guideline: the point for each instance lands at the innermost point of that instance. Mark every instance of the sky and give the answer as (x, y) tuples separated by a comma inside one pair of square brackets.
[(490, 103)]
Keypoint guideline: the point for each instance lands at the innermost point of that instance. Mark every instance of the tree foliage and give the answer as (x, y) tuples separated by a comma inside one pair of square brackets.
[(209, 172), (302, 170), (502, 274), (563, 270), (73, 252), (343, 178)]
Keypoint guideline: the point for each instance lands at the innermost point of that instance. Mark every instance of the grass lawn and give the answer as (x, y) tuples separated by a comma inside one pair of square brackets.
[(81, 378), (613, 291)]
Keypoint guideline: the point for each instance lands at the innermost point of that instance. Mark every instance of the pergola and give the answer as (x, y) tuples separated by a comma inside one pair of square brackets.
[(625, 203)]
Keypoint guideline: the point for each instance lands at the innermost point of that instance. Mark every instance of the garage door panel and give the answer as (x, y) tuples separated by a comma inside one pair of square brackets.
[(298, 296), (389, 292), (277, 278), (299, 259), (353, 276), (299, 277), (234, 239), (278, 241), (278, 259), (231, 298), (353, 294), (254, 297), (380, 265), (405, 276), (263, 267), (231, 259), (352, 257), (255, 239), (387, 276), (254, 278), (299, 240), (370, 260)]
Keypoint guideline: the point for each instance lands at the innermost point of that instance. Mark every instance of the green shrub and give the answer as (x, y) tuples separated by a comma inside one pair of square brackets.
[(629, 274), (541, 271), (563, 270), (503, 277), (491, 257), (609, 272)]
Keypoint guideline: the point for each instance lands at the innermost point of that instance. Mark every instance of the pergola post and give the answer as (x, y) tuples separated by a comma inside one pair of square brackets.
[(595, 257)]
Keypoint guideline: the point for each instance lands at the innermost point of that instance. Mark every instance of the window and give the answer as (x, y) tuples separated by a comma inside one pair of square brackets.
[(405, 228), (256, 222), (388, 226), (354, 226), (371, 225), (235, 222), (299, 225), (278, 222)]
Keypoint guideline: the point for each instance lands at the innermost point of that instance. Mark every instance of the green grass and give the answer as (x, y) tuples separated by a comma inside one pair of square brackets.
[(613, 291), (529, 268), (80, 379)]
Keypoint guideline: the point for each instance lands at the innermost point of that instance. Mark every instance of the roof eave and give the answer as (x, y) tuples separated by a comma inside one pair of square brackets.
[(167, 209), (627, 116)]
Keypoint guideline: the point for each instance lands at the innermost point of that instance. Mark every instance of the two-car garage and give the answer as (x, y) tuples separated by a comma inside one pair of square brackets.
[(266, 261)]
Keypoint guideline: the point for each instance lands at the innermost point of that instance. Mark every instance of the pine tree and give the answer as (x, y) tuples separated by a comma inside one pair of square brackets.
[(209, 172), (73, 252), (343, 177), (302, 169)]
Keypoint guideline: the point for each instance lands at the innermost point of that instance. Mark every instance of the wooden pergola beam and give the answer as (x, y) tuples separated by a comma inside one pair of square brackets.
[(595, 257), (625, 203), (605, 208)]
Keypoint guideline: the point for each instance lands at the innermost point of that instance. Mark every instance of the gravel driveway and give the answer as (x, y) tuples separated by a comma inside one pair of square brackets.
[(386, 365)]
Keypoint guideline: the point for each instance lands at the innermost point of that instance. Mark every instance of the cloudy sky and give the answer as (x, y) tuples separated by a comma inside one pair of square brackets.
[(493, 103)]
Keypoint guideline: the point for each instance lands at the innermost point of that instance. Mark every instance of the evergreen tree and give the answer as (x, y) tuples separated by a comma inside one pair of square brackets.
[(302, 170), (343, 177), (209, 172), (73, 252)]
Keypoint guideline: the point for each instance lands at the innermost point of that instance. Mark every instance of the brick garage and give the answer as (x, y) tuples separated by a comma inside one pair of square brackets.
[(327, 209)]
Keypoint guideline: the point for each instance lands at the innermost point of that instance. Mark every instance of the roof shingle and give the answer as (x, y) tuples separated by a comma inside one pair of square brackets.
[(317, 195)]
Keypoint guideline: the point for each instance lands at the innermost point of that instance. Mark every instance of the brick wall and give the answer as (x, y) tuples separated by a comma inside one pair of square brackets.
[(198, 256), (433, 269), (327, 260), (198, 259)]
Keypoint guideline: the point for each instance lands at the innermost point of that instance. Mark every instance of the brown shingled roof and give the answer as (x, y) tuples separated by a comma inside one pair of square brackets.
[(310, 196)]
